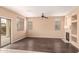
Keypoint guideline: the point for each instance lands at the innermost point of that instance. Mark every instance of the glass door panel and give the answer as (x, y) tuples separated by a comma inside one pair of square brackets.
[(5, 31)]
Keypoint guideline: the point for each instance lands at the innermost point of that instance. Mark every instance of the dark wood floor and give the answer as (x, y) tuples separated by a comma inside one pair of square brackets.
[(43, 45)]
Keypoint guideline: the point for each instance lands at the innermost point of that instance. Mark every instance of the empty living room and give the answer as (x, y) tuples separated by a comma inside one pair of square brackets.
[(43, 29), (39, 29)]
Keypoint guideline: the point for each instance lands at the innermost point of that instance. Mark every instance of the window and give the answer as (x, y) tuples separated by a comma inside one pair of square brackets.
[(29, 25), (57, 23), (20, 24)]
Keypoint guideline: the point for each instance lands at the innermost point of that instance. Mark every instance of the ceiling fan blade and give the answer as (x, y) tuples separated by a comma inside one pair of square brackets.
[(43, 16)]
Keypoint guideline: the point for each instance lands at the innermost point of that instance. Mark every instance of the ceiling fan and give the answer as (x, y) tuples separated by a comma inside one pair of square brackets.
[(43, 16)]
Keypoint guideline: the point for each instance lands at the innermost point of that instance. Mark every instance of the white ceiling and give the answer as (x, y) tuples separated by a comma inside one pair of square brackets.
[(34, 11)]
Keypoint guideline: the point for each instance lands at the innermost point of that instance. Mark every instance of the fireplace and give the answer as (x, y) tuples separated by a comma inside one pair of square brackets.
[(67, 36)]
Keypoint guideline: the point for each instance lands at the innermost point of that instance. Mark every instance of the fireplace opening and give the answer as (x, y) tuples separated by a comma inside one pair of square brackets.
[(67, 36)]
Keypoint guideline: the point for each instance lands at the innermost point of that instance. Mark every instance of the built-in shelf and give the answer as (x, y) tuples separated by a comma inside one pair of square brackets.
[(74, 17), (74, 21), (74, 35), (74, 38), (74, 28)]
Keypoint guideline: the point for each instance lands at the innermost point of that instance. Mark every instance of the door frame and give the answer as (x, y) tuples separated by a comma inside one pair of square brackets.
[(0, 31)]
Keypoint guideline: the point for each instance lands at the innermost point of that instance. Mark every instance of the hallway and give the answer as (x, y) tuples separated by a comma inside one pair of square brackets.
[(43, 45)]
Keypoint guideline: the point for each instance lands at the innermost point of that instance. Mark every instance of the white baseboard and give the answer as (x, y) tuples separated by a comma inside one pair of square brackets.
[(18, 39), (75, 44), (44, 37)]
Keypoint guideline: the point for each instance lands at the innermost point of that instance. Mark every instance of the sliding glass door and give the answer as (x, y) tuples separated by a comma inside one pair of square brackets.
[(5, 30)]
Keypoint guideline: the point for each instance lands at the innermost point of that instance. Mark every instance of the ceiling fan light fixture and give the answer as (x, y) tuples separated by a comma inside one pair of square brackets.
[(43, 16)]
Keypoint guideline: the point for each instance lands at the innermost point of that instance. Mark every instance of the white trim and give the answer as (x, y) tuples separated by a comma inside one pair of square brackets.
[(74, 21), (5, 17), (65, 41)]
